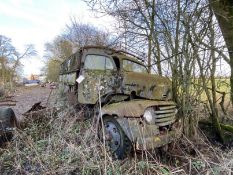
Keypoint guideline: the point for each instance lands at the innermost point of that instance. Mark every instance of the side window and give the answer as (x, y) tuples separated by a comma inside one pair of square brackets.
[(128, 65), (133, 67), (98, 62)]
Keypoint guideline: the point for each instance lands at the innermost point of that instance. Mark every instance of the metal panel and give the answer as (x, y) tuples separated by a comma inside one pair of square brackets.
[(165, 111), (166, 107)]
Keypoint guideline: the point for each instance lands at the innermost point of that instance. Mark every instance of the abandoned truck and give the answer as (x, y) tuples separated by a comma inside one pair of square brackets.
[(136, 106)]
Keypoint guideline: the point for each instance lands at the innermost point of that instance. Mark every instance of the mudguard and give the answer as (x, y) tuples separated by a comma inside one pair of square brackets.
[(132, 108)]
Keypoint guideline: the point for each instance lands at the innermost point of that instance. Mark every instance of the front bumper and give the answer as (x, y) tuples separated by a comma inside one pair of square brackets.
[(145, 136), (157, 141)]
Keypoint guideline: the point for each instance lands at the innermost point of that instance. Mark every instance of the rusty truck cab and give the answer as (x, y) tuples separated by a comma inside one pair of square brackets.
[(136, 107)]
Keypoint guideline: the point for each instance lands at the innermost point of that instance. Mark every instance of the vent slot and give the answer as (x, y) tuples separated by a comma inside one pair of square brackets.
[(165, 115)]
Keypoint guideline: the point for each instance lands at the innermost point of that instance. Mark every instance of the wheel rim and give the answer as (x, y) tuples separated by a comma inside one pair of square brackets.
[(112, 136)]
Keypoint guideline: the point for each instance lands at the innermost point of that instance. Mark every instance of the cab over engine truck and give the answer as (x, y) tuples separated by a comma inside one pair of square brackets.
[(136, 106)]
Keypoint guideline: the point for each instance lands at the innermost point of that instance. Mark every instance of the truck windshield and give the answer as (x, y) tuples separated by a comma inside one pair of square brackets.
[(133, 67), (98, 62)]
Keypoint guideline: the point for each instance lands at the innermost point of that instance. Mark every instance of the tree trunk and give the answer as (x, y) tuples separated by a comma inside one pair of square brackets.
[(150, 37), (175, 73), (158, 58), (223, 10), (149, 52), (214, 109)]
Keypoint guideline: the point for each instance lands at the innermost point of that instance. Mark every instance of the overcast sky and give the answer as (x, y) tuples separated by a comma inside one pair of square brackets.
[(39, 21)]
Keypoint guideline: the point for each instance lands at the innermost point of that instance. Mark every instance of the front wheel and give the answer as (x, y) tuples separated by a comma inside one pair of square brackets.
[(115, 138)]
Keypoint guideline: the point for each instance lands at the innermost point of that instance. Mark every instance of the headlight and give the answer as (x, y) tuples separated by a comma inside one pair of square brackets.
[(149, 115)]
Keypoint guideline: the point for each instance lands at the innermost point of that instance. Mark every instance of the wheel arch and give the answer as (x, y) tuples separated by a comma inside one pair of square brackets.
[(125, 146), (123, 123)]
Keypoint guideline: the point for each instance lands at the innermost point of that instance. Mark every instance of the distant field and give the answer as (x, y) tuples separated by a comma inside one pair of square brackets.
[(222, 85)]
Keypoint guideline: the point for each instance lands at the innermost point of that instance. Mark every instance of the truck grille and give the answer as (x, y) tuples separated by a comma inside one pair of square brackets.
[(165, 115)]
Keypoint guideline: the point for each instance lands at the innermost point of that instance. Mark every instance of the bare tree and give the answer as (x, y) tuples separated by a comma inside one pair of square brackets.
[(80, 35), (10, 58), (136, 24), (180, 35), (74, 37), (7, 50), (28, 52), (59, 49)]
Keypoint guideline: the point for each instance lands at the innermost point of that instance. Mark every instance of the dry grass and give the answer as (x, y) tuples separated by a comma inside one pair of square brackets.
[(58, 143)]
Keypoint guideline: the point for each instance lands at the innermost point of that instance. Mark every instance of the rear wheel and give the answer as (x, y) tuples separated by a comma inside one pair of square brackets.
[(8, 123), (115, 138)]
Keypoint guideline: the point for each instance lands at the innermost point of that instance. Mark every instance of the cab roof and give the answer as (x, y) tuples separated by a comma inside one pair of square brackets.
[(121, 54)]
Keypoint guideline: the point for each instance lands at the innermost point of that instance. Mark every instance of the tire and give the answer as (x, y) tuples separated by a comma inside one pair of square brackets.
[(115, 138), (8, 120), (6, 137)]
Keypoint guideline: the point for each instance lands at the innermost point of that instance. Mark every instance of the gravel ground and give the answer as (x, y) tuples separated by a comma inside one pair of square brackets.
[(27, 96)]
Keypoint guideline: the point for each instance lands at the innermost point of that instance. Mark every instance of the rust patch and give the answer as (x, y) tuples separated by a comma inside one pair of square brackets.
[(157, 141)]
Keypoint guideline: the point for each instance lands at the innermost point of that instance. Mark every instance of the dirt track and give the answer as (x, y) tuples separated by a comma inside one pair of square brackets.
[(27, 96)]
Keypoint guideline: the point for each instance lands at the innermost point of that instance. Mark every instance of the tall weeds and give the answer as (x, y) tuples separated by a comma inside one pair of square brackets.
[(59, 143)]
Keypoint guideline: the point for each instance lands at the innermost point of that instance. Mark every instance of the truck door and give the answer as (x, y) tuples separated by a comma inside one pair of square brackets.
[(97, 76), (136, 80)]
